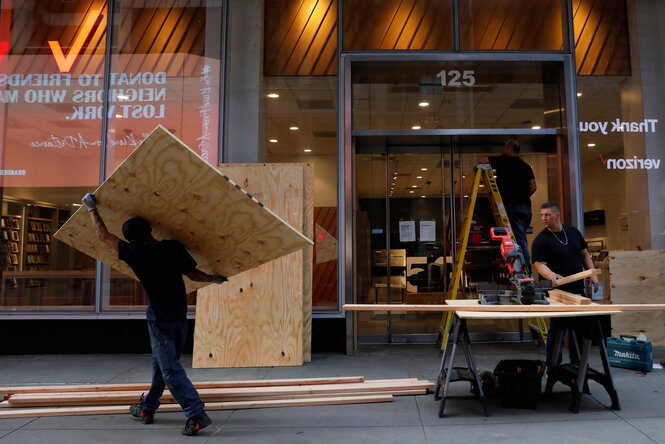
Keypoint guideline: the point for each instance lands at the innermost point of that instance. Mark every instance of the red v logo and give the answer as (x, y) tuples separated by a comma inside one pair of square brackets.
[(4, 49), (65, 62)]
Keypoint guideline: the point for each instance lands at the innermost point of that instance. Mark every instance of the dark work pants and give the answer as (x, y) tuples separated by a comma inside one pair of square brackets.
[(520, 220), (167, 340)]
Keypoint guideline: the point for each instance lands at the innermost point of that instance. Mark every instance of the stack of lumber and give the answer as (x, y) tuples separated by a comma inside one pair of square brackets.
[(567, 298), (89, 399)]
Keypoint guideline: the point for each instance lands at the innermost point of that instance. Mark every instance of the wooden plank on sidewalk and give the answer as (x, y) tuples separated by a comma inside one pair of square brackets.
[(225, 229), (64, 388), (210, 395), (122, 409)]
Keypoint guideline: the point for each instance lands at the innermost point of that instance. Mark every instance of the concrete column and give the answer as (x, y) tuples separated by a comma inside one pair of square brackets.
[(245, 128), (651, 37), (634, 144)]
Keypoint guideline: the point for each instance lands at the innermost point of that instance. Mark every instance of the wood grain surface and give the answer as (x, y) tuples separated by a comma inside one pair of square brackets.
[(567, 298), (260, 317), (638, 277), (219, 394), (308, 262), (232, 405), (472, 305), (576, 277), (66, 388), (184, 198)]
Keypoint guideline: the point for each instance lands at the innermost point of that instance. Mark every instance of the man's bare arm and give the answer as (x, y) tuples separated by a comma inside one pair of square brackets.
[(545, 272), (532, 187), (588, 264), (104, 235)]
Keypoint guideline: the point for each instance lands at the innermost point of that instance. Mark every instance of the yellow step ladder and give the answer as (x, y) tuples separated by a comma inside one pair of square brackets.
[(484, 174)]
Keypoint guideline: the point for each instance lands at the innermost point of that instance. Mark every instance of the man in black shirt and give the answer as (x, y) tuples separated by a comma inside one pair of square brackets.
[(516, 183), (559, 251), (159, 265)]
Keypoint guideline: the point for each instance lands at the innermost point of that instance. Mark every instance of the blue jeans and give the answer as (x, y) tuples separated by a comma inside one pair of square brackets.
[(520, 220), (167, 340)]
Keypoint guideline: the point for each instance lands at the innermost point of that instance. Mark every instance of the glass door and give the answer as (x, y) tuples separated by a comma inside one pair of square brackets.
[(402, 234), (418, 128), (411, 198)]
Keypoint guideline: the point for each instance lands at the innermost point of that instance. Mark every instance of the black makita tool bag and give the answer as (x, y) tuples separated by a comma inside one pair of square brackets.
[(631, 354)]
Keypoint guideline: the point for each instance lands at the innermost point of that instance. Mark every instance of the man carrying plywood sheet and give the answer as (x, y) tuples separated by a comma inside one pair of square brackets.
[(225, 229), (560, 250), (159, 266)]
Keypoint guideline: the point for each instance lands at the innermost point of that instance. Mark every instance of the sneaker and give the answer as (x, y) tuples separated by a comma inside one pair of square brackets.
[(193, 425), (136, 412)]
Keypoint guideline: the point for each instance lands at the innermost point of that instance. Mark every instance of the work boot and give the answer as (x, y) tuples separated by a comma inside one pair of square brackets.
[(193, 425), (145, 417)]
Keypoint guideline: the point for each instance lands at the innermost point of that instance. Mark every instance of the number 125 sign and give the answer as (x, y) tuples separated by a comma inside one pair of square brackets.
[(452, 78)]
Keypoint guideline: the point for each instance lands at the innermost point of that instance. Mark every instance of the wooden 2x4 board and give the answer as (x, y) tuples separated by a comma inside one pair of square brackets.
[(224, 228), (262, 317)]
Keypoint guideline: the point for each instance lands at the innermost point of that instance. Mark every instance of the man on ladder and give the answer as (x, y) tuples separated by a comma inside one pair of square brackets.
[(516, 185)]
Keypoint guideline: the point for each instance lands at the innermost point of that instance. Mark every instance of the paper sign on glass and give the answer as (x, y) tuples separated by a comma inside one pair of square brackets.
[(407, 231), (427, 231)]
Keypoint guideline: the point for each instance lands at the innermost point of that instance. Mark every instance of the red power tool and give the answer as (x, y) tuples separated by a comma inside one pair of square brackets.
[(520, 276)]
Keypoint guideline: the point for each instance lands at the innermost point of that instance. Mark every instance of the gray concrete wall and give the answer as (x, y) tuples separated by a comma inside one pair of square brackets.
[(650, 20), (246, 122)]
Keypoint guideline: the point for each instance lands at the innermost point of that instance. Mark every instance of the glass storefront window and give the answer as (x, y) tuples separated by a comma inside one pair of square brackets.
[(513, 25), (397, 25), (52, 79), (620, 99), (302, 128), (444, 95), (165, 70), (51, 54), (298, 117)]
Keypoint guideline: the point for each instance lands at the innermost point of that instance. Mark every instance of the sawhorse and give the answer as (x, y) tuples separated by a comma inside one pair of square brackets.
[(576, 376), (470, 374)]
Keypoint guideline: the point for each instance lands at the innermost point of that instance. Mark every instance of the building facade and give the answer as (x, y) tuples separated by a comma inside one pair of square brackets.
[(393, 101)]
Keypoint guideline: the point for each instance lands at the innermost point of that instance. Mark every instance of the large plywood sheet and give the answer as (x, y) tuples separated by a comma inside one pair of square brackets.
[(252, 321), (638, 277), (246, 323), (225, 229)]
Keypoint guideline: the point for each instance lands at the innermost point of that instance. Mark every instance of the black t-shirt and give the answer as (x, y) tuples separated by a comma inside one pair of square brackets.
[(159, 267), (512, 177), (562, 259)]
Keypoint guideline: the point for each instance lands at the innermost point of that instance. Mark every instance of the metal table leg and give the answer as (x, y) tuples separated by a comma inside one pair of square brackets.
[(458, 325)]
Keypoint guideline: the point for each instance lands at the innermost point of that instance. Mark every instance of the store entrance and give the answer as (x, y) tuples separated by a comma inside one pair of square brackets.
[(411, 194), (418, 128)]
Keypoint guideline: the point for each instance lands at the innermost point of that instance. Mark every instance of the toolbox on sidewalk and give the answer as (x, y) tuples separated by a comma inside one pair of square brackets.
[(519, 382), (631, 354)]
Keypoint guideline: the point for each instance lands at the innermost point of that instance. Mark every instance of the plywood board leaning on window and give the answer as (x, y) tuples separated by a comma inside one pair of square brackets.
[(225, 229), (262, 317), (638, 277)]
